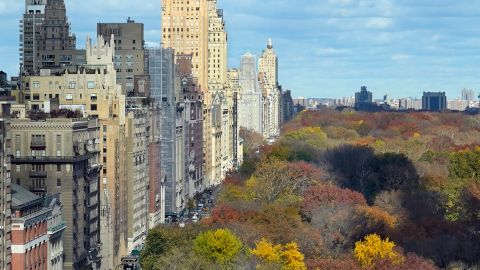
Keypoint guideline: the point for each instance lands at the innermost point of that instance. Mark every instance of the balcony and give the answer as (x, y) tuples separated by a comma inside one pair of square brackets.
[(50, 159), (38, 174), (36, 189), (38, 145)]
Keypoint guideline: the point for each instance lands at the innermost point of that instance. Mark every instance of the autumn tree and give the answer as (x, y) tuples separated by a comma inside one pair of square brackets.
[(288, 257), (373, 250), (220, 246)]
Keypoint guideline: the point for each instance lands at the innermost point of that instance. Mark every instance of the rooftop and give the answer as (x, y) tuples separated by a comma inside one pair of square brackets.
[(23, 198)]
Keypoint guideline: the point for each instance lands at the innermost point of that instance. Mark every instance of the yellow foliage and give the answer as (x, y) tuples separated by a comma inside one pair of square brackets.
[(293, 258), (416, 135), (289, 256), (374, 249), (267, 251)]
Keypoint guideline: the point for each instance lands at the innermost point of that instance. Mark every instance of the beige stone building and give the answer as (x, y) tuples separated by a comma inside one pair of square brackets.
[(198, 28), (268, 80), (185, 29), (129, 58), (138, 126), (92, 89), (61, 155)]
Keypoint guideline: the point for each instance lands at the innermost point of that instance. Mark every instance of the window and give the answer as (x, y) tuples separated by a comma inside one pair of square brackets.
[(17, 145), (90, 85), (69, 96), (59, 145), (59, 183), (59, 167), (93, 97), (72, 85), (93, 107), (36, 85)]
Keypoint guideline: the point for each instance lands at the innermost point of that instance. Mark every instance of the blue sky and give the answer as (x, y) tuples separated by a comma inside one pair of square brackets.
[(326, 48)]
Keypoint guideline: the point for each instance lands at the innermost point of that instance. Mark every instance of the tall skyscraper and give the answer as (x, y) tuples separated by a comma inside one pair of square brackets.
[(185, 28), (217, 48), (268, 65), (30, 26), (55, 45), (129, 56), (250, 109), (165, 93), (268, 80), (198, 28)]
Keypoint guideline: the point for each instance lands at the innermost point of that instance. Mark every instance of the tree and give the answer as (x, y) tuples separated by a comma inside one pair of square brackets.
[(288, 256), (328, 194), (373, 250), (267, 251), (313, 136), (293, 258), (220, 246)]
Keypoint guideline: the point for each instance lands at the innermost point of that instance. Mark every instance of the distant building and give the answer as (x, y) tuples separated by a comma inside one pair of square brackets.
[(287, 106), (364, 101), (458, 104), (434, 101), (364, 96), (268, 82), (468, 95), (129, 59), (250, 113)]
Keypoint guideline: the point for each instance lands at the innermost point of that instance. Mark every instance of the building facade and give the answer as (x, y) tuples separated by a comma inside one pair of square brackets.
[(250, 107), (5, 184), (30, 26), (268, 81), (61, 155), (138, 126), (434, 101), (192, 98), (55, 45), (129, 58), (29, 230), (92, 90), (287, 106), (56, 226)]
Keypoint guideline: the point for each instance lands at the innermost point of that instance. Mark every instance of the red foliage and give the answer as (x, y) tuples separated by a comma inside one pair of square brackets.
[(411, 262), (326, 194), (223, 214)]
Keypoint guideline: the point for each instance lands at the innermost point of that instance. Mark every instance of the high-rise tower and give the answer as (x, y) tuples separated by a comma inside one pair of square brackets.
[(185, 29), (29, 31), (55, 45)]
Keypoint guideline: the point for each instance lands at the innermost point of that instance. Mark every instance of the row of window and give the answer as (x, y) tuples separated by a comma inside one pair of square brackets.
[(71, 85)]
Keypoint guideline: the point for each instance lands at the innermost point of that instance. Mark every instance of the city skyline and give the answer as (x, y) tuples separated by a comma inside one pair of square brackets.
[(328, 48)]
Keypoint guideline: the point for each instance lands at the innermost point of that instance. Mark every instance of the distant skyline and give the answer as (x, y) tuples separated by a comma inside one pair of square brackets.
[(326, 48)]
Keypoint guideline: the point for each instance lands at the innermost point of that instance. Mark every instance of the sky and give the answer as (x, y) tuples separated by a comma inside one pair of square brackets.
[(326, 48)]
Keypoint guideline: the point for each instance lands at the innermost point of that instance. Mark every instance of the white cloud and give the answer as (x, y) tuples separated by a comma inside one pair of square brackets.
[(400, 57), (379, 23)]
